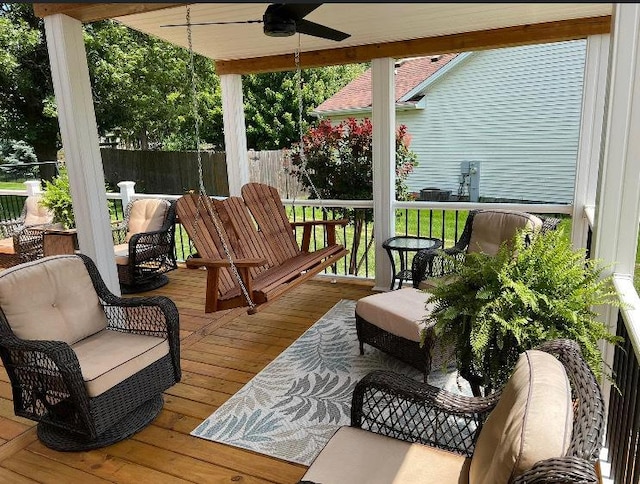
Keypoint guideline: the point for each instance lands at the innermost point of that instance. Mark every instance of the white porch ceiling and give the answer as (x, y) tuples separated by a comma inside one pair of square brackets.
[(368, 23)]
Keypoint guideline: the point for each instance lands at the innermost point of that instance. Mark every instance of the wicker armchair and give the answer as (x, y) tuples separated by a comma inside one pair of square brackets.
[(484, 231), (544, 426), (90, 367), (145, 245), (21, 238)]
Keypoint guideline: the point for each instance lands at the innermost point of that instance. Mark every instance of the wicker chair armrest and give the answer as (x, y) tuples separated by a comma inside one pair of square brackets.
[(560, 470), (433, 263), (397, 406), (550, 223), (148, 245), (45, 375), (118, 231), (9, 227)]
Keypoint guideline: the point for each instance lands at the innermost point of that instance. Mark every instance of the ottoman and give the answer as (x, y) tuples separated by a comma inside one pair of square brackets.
[(392, 322)]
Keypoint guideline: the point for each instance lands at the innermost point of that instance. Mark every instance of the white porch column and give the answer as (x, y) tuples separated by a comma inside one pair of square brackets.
[(384, 164), (591, 122), (79, 131), (235, 132), (618, 198)]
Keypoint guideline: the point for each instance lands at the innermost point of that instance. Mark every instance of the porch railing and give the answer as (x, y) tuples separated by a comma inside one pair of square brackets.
[(623, 421), (442, 220)]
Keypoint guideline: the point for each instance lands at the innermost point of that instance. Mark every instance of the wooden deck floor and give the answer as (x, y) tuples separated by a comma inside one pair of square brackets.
[(220, 353)]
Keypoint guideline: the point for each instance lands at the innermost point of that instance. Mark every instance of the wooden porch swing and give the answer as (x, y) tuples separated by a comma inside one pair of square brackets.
[(247, 244), (261, 242)]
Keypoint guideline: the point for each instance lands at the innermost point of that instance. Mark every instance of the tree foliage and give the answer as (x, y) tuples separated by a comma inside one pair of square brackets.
[(27, 105), (142, 89), (272, 102)]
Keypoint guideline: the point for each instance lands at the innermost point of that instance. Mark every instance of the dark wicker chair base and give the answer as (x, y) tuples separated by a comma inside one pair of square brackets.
[(410, 352), (62, 440), (148, 285)]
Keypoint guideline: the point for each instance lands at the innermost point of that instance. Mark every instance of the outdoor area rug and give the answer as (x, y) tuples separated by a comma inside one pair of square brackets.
[(294, 405)]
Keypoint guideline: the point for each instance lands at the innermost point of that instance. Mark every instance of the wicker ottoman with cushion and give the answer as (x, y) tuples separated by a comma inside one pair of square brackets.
[(393, 322)]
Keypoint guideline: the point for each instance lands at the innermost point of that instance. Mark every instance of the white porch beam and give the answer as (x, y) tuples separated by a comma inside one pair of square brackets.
[(618, 200), (617, 209), (591, 123), (235, 132), (79, 131), (384, 163)]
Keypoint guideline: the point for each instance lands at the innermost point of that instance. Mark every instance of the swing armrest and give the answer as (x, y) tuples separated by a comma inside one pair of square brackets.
[(330, 227), (194, 263), (309, 223)]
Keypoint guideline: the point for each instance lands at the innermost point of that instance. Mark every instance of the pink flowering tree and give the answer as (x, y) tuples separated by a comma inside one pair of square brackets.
[(338, 159)]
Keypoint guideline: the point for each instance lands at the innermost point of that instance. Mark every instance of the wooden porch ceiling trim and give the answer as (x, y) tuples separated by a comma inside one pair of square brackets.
[(561, 30), (92, 12)]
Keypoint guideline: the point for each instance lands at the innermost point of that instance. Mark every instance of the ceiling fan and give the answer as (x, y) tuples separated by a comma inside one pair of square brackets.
[(284, 20)]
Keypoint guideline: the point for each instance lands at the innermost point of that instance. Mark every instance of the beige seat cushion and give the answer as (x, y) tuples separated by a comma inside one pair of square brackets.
[(6, 246), (493, 227), (146, 215), (122, 254), (109, 357), (51, 299), (532, 421), (397, 312), (36, 213), (356, 456)]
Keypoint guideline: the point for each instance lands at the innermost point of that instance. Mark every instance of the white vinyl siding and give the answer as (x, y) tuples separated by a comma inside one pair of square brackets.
[(516, 111)]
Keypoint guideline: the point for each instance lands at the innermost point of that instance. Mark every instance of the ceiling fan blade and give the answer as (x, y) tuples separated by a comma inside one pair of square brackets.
[(317, 30), (295, 11), (193, 24)]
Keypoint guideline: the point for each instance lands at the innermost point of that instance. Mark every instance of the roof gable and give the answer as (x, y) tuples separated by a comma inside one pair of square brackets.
[(410, 74)]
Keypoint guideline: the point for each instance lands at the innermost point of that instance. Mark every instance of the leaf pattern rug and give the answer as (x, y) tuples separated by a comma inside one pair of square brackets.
[(294, 405)]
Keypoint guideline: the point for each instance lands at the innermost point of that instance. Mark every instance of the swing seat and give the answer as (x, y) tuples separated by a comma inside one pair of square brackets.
[(261, 243)]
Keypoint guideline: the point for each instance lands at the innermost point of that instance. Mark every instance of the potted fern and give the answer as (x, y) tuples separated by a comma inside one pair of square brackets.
[(498, 306), (57, 198)]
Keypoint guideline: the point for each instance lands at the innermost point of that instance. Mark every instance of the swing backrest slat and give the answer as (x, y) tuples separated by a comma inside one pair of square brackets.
[(246, 240), (194, 215), (266, 207)]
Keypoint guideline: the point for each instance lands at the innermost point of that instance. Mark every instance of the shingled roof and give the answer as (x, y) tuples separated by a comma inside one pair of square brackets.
[(410, 73)]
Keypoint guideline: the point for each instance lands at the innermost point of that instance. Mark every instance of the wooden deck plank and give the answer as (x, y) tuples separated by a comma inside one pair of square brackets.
[(220, 353)]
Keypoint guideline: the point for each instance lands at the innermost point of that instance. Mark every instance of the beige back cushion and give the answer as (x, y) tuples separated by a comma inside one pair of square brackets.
[(51, 299), (532, 421), (146, 215), (493, 227), (36, 213)]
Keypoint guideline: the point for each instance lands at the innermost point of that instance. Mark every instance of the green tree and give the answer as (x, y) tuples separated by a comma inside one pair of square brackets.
[(271, 102), (27, 105), (142, 89)]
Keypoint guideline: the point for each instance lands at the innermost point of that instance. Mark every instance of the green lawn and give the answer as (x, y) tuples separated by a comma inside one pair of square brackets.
[(12, 185)]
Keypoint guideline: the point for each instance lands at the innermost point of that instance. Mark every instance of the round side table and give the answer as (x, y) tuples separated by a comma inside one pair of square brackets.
[(404, 244)]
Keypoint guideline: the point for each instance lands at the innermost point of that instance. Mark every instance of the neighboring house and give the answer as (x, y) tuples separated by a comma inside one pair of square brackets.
[(516, 111)]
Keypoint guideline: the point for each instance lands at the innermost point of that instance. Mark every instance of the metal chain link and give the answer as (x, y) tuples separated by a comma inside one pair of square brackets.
[(207, 201), (303, 158)]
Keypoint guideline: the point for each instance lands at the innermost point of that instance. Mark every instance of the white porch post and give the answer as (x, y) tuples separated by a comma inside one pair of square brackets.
[(79, 131), (592, 120), (618, 200), (235, 132), (384, 163)]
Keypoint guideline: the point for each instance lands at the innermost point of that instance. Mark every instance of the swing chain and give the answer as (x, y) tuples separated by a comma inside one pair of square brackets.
[(303, 158), (209, 204)]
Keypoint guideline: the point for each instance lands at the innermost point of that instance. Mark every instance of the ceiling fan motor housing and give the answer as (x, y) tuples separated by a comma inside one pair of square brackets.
[(278, 26)]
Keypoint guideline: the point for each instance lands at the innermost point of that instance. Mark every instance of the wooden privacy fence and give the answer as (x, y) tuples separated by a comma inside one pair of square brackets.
[(169, 172), (273, 167)]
